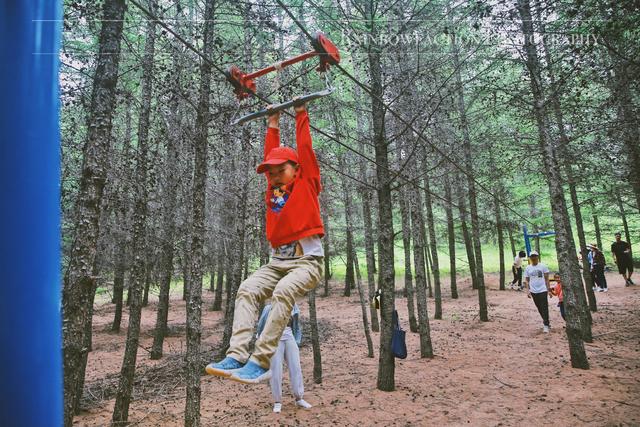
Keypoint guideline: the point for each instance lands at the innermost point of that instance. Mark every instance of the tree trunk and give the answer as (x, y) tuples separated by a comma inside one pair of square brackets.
[(88, 344), (127, 371), (221, 255), (468, 244), (533, 214), (349, 281), (406, 243), (370, 257), (326, 241), (186, 280), (315, 338), (349, 277), (212, 276), (122, 221), (451, 237), (386, 276), (363, 305), (596, 227), (565, 247), (148, 278), (238, 251), (512, 242), (496, 206), (623, 218), (627, 120), (265, 248), (79, 279), (419, 238), (194, 299), (471, 186), (367, 196), (433, 246), (564, 152), (118, 292), (428, 265)]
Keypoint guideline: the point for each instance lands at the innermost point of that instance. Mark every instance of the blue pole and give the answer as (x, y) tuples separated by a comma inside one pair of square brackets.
[(30, 326), (527, 242)]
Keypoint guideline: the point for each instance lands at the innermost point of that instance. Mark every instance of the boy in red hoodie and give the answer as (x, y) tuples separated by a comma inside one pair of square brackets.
[(294, 229)]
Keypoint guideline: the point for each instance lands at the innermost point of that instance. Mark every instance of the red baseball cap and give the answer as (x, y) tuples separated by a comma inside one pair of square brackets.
[(277, 156)]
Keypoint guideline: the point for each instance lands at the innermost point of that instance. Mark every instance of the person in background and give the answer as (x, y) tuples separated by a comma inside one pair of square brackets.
[(516, 268), (555, 290), (536, 279), (597, 267), (287, 350), (621, 251)]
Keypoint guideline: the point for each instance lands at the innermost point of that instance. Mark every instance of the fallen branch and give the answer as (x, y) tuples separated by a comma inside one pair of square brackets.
[(503, 383)]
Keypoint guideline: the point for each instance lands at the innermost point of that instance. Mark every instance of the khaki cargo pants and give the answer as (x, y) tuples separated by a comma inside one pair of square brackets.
[(284, 280)]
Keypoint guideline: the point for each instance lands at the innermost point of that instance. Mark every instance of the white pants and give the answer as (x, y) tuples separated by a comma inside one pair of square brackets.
[(287, 350)]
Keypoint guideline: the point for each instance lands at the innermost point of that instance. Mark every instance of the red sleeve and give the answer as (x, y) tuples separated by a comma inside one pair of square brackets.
[(271, 140), (306, 156)]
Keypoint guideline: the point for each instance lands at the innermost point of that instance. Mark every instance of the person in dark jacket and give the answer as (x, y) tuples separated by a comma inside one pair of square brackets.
[(597, 267), (621, 251)]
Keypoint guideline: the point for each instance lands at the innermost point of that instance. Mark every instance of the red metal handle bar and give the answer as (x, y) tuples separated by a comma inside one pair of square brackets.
[(244, 84), (283, 64)]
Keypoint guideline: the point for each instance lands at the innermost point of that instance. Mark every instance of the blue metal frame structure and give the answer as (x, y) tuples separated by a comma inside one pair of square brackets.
[(30, 304), (527, 237)]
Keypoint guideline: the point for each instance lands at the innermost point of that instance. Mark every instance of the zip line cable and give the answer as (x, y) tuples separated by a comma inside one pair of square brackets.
[(366, 88), (400, 118)]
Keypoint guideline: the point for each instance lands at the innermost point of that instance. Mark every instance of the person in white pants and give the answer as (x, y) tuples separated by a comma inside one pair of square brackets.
[(287, 351)]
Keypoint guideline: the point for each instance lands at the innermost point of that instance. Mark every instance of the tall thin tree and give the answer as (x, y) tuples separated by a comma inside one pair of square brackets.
[(79, 278)]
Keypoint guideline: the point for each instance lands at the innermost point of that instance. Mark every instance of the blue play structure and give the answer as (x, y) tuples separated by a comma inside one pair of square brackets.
[(528, 236), (30, 327)]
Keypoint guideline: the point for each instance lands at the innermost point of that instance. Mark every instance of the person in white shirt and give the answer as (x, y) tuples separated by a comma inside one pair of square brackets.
[(536, 279), (287, 350), (517, 271)]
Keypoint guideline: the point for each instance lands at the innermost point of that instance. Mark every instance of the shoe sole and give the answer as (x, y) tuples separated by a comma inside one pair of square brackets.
[(224, 373), (264, 377)]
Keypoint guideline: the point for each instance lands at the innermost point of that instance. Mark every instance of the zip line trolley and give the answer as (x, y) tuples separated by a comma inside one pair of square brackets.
[(244, 84)]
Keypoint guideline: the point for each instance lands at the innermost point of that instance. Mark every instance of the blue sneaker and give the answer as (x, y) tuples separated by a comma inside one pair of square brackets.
[(251, 373), (224, 368)]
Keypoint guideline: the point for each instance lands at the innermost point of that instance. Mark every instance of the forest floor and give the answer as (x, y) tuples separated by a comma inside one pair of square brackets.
[(501, 372)]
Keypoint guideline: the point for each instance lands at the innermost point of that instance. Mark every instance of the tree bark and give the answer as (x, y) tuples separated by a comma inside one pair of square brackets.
[(79, 280), (122, 220), (127, 371), (363, 305), (471, 186), (628, 121), (221, 255), (596, 227), (326, 241), (367, 200), (237, 252), (433, 246), (194, 298), (386, 275), (496, 206), (148, 278), (315, 338), (564, 152), (468, 244), (370, 257), (565, 247), (405, 213), (419, 239), (623, 218), (451, 237)]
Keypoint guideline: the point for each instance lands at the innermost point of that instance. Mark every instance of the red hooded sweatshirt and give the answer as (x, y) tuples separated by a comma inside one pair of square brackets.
[(300, 215)]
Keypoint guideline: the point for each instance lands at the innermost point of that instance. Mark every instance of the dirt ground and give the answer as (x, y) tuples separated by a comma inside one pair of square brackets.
[(501, 372)]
